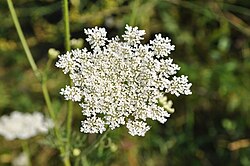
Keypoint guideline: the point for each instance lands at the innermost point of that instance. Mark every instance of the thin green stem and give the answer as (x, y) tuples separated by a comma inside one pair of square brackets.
[(56, 128), (40, 77), (67, 47), (22, 38), (48, 65), (97, 142), (85, 161), (69, 121), (48, 100), (30, 57), (92, 147), (135, 7), (66, 24), (26, 150)]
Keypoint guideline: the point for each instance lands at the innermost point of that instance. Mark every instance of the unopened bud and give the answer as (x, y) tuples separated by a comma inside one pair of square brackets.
[(53, 53), (76, 152), (76, 43)]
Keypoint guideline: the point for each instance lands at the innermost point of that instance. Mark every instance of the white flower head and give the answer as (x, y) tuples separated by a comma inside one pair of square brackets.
[(71, 93), (179, 85), (23, 125), (133, 35), (65, 62), (96, 36), (137, 127), (120, 82), (161, 46), (93, 125)]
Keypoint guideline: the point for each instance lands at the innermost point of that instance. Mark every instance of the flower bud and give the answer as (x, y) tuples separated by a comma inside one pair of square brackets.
[(53, 53), (76, 152), (76, 43)]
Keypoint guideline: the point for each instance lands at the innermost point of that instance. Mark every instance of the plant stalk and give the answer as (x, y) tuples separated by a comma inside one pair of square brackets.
[(67, 47), (39, 76), (22, 38), (25, 147)]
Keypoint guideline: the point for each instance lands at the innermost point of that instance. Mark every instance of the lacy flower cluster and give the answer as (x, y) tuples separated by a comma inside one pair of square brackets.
[(23, 125), (120, 82)]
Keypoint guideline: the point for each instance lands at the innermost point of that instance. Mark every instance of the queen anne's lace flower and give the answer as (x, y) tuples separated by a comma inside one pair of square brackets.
[(93, 125), (96, 37), (23, 125), (161, 46), (121, 82), (137, 127), (71, 93), (133, 35)]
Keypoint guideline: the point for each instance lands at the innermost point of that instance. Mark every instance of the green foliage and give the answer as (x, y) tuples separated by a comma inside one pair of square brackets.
[(212, 47)]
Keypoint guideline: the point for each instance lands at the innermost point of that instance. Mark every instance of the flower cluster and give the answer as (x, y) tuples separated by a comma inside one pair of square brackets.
[(120, 82), (23, 125)]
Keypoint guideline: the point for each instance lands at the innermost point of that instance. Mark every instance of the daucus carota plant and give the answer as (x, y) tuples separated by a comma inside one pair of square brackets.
[(120, 82), (24, 125)]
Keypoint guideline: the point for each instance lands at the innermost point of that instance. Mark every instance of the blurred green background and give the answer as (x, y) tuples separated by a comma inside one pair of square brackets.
[(212, 38)]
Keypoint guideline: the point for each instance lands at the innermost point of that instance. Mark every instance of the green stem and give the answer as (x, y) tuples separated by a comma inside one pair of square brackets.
[(67, 47), (30, 58), (22, 38), (92, 147), (48, 100), (25, 147), (66, 24), (52, 115), (97, 142), (135, 7), (85, 161), (37, 74), (56, 128), (48, 65)]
